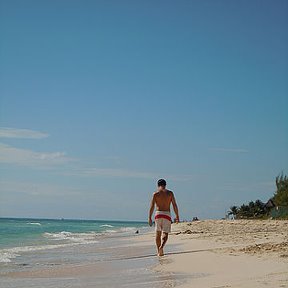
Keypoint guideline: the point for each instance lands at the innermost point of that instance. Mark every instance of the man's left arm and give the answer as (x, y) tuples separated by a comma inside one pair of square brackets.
[(175, 207)]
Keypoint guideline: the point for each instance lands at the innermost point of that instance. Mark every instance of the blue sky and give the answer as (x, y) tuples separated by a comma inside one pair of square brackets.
[(99, 99)]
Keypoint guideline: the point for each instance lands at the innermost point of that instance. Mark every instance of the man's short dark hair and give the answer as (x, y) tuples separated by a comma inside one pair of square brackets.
[(161, 182)]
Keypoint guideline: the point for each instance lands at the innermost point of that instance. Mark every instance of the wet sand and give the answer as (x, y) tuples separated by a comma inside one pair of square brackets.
[(115, 264)]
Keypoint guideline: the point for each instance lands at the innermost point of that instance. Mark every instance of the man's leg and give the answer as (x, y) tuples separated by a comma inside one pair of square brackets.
[(164, 240), (158, 240)]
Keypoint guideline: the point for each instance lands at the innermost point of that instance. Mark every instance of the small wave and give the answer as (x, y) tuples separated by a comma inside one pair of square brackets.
[(128, 229), (58, 236), (7, 254), (74, 238), (34, 223), (110, 231), (5, 257), (107, 225), (80, 238), (122, 230)]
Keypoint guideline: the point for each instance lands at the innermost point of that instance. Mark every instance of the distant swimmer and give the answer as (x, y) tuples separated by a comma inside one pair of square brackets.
[(162, 198)]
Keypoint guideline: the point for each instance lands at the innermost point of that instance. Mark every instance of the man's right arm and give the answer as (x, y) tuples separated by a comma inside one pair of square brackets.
[(151, 210), (175, 207)]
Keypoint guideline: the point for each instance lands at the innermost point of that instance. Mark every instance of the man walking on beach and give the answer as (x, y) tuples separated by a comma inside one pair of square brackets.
[(163, 199)]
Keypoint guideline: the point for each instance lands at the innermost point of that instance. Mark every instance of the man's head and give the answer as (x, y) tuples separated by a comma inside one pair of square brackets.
[(161, 184)]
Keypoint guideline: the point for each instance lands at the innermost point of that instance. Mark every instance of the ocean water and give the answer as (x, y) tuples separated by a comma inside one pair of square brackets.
[(18, 237), (79, 253)]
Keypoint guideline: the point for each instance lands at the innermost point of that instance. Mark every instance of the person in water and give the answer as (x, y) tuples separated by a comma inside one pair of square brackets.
[(162, 198)]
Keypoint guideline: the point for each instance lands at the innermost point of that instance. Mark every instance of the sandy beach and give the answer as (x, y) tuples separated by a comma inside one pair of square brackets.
[(224, 253), (210, 254)]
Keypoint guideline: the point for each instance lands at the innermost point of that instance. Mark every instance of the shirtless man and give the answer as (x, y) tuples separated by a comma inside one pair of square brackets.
[(163, 199)]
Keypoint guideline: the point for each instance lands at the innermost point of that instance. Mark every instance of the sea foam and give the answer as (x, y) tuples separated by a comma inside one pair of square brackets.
[(80, 238)]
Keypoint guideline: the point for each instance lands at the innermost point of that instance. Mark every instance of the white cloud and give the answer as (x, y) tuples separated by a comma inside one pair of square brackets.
[(110, 172), (25, 157), (21, 133), (229, 150), (11, 188), (30, 158), (124, 173), (248, 187)]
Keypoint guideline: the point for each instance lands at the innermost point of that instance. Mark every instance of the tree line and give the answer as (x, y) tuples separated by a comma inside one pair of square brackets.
[(259, 209)]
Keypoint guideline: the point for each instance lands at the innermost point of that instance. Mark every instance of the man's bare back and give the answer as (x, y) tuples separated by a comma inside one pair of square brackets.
[(163, 199)]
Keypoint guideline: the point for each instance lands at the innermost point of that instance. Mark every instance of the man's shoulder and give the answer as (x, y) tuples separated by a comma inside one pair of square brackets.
[(157, 193), (169, 192)]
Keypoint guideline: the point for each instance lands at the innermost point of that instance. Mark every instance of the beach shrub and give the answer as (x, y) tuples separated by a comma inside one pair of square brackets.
[(255, 209), (281, 195)]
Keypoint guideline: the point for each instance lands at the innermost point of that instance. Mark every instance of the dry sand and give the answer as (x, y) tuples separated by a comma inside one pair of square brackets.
[(226, 253)]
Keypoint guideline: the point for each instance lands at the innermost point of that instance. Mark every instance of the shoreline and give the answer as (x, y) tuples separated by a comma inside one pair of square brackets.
[(209, 253), (21, 235), (119, 266)]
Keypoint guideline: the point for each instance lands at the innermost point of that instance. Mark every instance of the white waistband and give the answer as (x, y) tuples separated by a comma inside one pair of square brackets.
[(163, 213)]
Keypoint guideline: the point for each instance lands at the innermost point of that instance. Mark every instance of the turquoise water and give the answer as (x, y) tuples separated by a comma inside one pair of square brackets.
[(23, 235), (77, 253)]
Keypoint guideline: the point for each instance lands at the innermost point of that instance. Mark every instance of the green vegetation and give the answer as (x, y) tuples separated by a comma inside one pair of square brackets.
[(278, 204), (253, 210), (281, 195)]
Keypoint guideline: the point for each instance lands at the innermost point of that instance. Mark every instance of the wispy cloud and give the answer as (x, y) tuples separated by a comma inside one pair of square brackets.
[(25, 157), (38, 189), (229, 150), (110, 172), (126, 173), (248, 187), (21, 133), (34, 159)]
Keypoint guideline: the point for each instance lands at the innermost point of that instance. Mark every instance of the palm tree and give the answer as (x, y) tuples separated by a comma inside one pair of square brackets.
[(233, 211)]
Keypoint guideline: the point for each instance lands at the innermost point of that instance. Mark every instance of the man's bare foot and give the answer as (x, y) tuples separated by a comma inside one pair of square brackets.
[(161, 252)]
